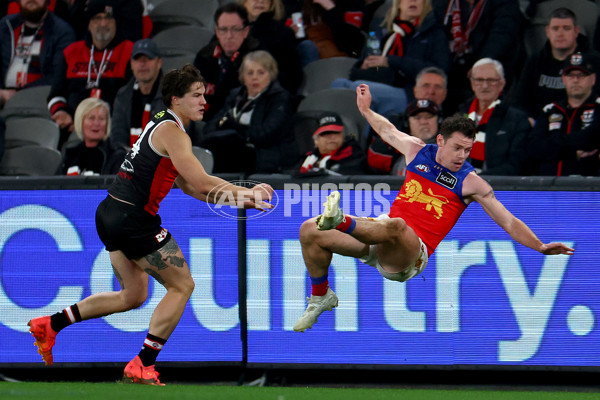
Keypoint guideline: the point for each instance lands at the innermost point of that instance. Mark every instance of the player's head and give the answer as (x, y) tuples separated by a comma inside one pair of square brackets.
[(178, 82), (183, 91), (458, 123), (455, 141)]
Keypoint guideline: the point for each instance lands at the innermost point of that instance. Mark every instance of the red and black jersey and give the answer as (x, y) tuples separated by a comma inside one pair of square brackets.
[(146, 176), (82, 77)]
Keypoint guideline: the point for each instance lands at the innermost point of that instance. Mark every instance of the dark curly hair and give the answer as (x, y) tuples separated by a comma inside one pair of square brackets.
[(178, 81)]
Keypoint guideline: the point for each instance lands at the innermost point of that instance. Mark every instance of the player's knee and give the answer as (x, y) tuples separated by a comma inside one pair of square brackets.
[(308, 230), (186, 286), (133, 299), (395, 227)]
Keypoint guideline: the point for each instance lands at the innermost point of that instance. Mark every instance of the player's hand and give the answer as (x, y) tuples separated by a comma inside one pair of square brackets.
[(363, 98), (556, 248), (260, 197)]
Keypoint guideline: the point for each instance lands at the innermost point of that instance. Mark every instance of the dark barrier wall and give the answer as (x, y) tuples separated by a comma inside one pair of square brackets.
[(482, 300)]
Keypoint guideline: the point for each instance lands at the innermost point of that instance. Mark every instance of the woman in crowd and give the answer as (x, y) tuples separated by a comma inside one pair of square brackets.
[(267, 25), (414, 40), (250, 133), (92, 154)]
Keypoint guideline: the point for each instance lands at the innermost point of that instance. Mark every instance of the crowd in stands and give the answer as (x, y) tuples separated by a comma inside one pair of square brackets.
[(536, 107)]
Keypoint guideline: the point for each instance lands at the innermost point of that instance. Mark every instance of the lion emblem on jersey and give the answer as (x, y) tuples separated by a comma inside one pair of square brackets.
[(414, 193)]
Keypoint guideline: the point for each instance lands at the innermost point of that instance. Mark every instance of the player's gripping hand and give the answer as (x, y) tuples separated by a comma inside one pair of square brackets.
[(556, 248), (259, 197)]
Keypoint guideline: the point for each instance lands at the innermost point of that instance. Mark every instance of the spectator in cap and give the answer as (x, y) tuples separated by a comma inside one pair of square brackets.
[(141, 97), (31, 50), (421, 119), (96, 66), (250, 133), (502, 130), (128, 13), (540, 81), (334, 153), (566, 139)]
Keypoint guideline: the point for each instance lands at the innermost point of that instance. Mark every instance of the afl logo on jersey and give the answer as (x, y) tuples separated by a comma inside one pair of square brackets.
[(446, 179), (422, 168)]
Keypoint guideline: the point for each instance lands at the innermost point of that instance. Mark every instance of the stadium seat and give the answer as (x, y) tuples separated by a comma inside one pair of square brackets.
[(342, 101), (304, 123), (151, 4), (171, 63), (171, 13), (319, 74), (205, 157), (182, 40), (31, 131), (30, 102), (587, 13), (30, 160)]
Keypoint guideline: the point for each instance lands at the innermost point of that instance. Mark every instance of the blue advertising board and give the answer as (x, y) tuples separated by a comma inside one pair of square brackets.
[(482, 300)]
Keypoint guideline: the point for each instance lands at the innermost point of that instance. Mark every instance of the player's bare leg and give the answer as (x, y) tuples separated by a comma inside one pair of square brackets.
[(397, 248), (133, 293), (168, 267)]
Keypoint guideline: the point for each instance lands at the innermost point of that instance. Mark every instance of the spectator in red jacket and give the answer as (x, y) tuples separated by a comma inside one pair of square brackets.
[(96, 66)]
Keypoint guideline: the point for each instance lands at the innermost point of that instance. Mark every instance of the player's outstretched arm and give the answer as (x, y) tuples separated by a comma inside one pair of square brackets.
[(406, 144), (483, 193), (194, 180)]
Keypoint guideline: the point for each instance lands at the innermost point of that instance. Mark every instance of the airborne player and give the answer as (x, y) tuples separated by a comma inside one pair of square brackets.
[(439, 186)]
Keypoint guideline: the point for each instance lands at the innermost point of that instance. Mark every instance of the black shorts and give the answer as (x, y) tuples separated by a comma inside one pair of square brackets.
[(130, 229)]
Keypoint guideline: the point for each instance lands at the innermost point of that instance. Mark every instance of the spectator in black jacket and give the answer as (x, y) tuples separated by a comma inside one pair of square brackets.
[(219, 61), (140, 98), (414, 40), (541, 82), (266, 25), (500, 144), (93, 154), (31, 47), (250, 133), (565, 140), (334, 152)]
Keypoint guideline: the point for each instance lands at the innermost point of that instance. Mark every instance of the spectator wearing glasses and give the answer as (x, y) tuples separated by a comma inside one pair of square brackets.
[(502, 130), (220, 60), (565, 139)]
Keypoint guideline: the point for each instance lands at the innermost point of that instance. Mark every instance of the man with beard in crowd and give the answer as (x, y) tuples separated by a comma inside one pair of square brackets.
[(32, 46), (96, 66)]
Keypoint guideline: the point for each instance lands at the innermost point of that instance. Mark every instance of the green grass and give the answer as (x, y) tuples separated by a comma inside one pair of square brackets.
[(116, 391)]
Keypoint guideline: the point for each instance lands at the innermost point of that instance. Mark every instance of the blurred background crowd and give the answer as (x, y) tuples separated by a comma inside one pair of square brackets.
[(79, 80)]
